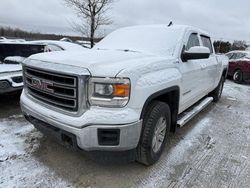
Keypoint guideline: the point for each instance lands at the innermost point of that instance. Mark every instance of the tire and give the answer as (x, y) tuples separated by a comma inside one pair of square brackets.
[(216, 94), (153, 137), (238, 76)]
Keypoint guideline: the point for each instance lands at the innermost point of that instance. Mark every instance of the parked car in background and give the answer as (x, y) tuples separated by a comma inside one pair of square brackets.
[(14, 60), (239, 65), (54, 45), (20, 49), (85, 44), (65, 39), (16, 53), (11, 79), (124, 96), (11, 39)]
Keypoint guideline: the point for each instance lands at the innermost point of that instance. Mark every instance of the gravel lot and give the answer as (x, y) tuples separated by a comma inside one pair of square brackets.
[(210, 151)]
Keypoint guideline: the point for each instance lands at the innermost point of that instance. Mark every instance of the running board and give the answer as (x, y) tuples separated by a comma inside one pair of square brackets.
[(194, 111)]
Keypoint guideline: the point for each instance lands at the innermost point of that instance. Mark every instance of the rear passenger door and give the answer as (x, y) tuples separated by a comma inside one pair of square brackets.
[(209, 66)]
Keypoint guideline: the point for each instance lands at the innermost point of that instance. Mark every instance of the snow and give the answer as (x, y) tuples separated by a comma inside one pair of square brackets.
[(68, 46), (17, 59), (3, 39), (159, 40), (98, 62), (4, 68), (178, 154), (18, 142)]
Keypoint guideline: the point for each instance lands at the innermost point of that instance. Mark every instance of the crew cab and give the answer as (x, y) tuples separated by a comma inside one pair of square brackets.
[(239, 65), (124, 96)]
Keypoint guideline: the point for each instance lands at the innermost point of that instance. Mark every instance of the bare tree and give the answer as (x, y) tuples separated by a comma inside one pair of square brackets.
[(93, 14)]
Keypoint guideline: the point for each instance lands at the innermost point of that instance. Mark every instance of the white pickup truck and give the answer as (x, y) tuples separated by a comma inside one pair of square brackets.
[(124, 96)]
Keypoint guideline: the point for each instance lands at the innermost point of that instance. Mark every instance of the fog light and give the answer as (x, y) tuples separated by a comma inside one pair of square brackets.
[(109, 137)]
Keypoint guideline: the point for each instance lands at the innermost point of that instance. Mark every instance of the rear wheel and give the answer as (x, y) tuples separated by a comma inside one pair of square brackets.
[(156, 126), (238, 76)]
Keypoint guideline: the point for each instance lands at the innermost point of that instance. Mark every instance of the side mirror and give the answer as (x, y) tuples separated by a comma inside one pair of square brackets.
[(196, 52)]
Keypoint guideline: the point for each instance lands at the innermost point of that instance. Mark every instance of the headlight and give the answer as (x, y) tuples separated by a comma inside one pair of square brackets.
[(109, 92)]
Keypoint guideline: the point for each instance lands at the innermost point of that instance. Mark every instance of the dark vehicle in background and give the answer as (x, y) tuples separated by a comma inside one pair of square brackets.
[(21, 49), (239, 65), (17, 52)]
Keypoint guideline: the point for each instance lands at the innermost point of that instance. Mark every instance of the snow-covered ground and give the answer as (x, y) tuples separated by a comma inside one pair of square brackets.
[(213, 150)]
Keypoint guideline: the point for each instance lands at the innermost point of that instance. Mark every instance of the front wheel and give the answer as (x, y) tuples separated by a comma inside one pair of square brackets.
[(238, 77), (155, 131)]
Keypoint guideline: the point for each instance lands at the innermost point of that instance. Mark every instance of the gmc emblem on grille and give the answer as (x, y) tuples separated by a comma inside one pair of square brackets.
[(42, 85)]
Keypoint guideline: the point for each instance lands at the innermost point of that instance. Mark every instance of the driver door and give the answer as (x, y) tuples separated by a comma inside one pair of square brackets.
[(192, 86)]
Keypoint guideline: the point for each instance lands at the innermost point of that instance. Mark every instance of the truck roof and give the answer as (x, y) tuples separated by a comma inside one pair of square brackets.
[(172, 27), (160, 40)]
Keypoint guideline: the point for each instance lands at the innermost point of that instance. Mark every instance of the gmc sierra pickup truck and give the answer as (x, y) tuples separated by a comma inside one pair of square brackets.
[(127, 93)]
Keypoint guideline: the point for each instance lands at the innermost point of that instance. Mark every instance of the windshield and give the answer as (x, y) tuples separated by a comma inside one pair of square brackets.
[(158, 40)]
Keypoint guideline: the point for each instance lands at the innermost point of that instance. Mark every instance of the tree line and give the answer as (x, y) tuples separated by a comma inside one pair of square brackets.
[(18, 33), (226, 46)]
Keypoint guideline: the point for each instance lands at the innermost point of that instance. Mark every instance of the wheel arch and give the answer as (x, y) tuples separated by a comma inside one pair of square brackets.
[(169, 95)]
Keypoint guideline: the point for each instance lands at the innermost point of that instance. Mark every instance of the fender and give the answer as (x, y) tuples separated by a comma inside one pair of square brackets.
[(170, 95)]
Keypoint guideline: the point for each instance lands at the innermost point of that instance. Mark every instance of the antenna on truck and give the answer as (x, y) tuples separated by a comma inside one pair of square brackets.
[(170, 24)]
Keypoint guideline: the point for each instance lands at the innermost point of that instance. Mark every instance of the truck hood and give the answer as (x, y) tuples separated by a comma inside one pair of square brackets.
[(10, 68), (98, 62)]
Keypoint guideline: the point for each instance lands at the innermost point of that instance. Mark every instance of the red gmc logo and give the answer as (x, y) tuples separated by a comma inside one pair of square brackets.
[(42, 85)]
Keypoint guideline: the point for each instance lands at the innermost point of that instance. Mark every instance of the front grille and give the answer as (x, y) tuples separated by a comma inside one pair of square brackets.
[(52, 88)]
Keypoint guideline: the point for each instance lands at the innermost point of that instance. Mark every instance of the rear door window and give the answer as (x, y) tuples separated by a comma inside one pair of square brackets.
[(206, 42)]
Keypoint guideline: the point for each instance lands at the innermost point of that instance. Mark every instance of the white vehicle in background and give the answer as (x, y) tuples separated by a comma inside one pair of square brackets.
[(54, 45), (48, 46), (85, 44), (11, 72), (11, 78), (125, 95), (12, 39)]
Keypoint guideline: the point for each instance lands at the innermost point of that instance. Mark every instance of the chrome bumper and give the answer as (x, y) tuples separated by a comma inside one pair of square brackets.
[(87, 137)]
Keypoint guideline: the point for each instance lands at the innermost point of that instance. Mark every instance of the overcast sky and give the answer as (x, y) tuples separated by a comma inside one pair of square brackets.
[(224, 19)]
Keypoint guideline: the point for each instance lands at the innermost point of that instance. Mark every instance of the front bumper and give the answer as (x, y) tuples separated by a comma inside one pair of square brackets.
[(87, 136), (7, 87), (11, 82)]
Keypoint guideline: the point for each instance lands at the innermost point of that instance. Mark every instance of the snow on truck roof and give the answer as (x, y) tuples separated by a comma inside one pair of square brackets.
[(165, 26), (154, 39)]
